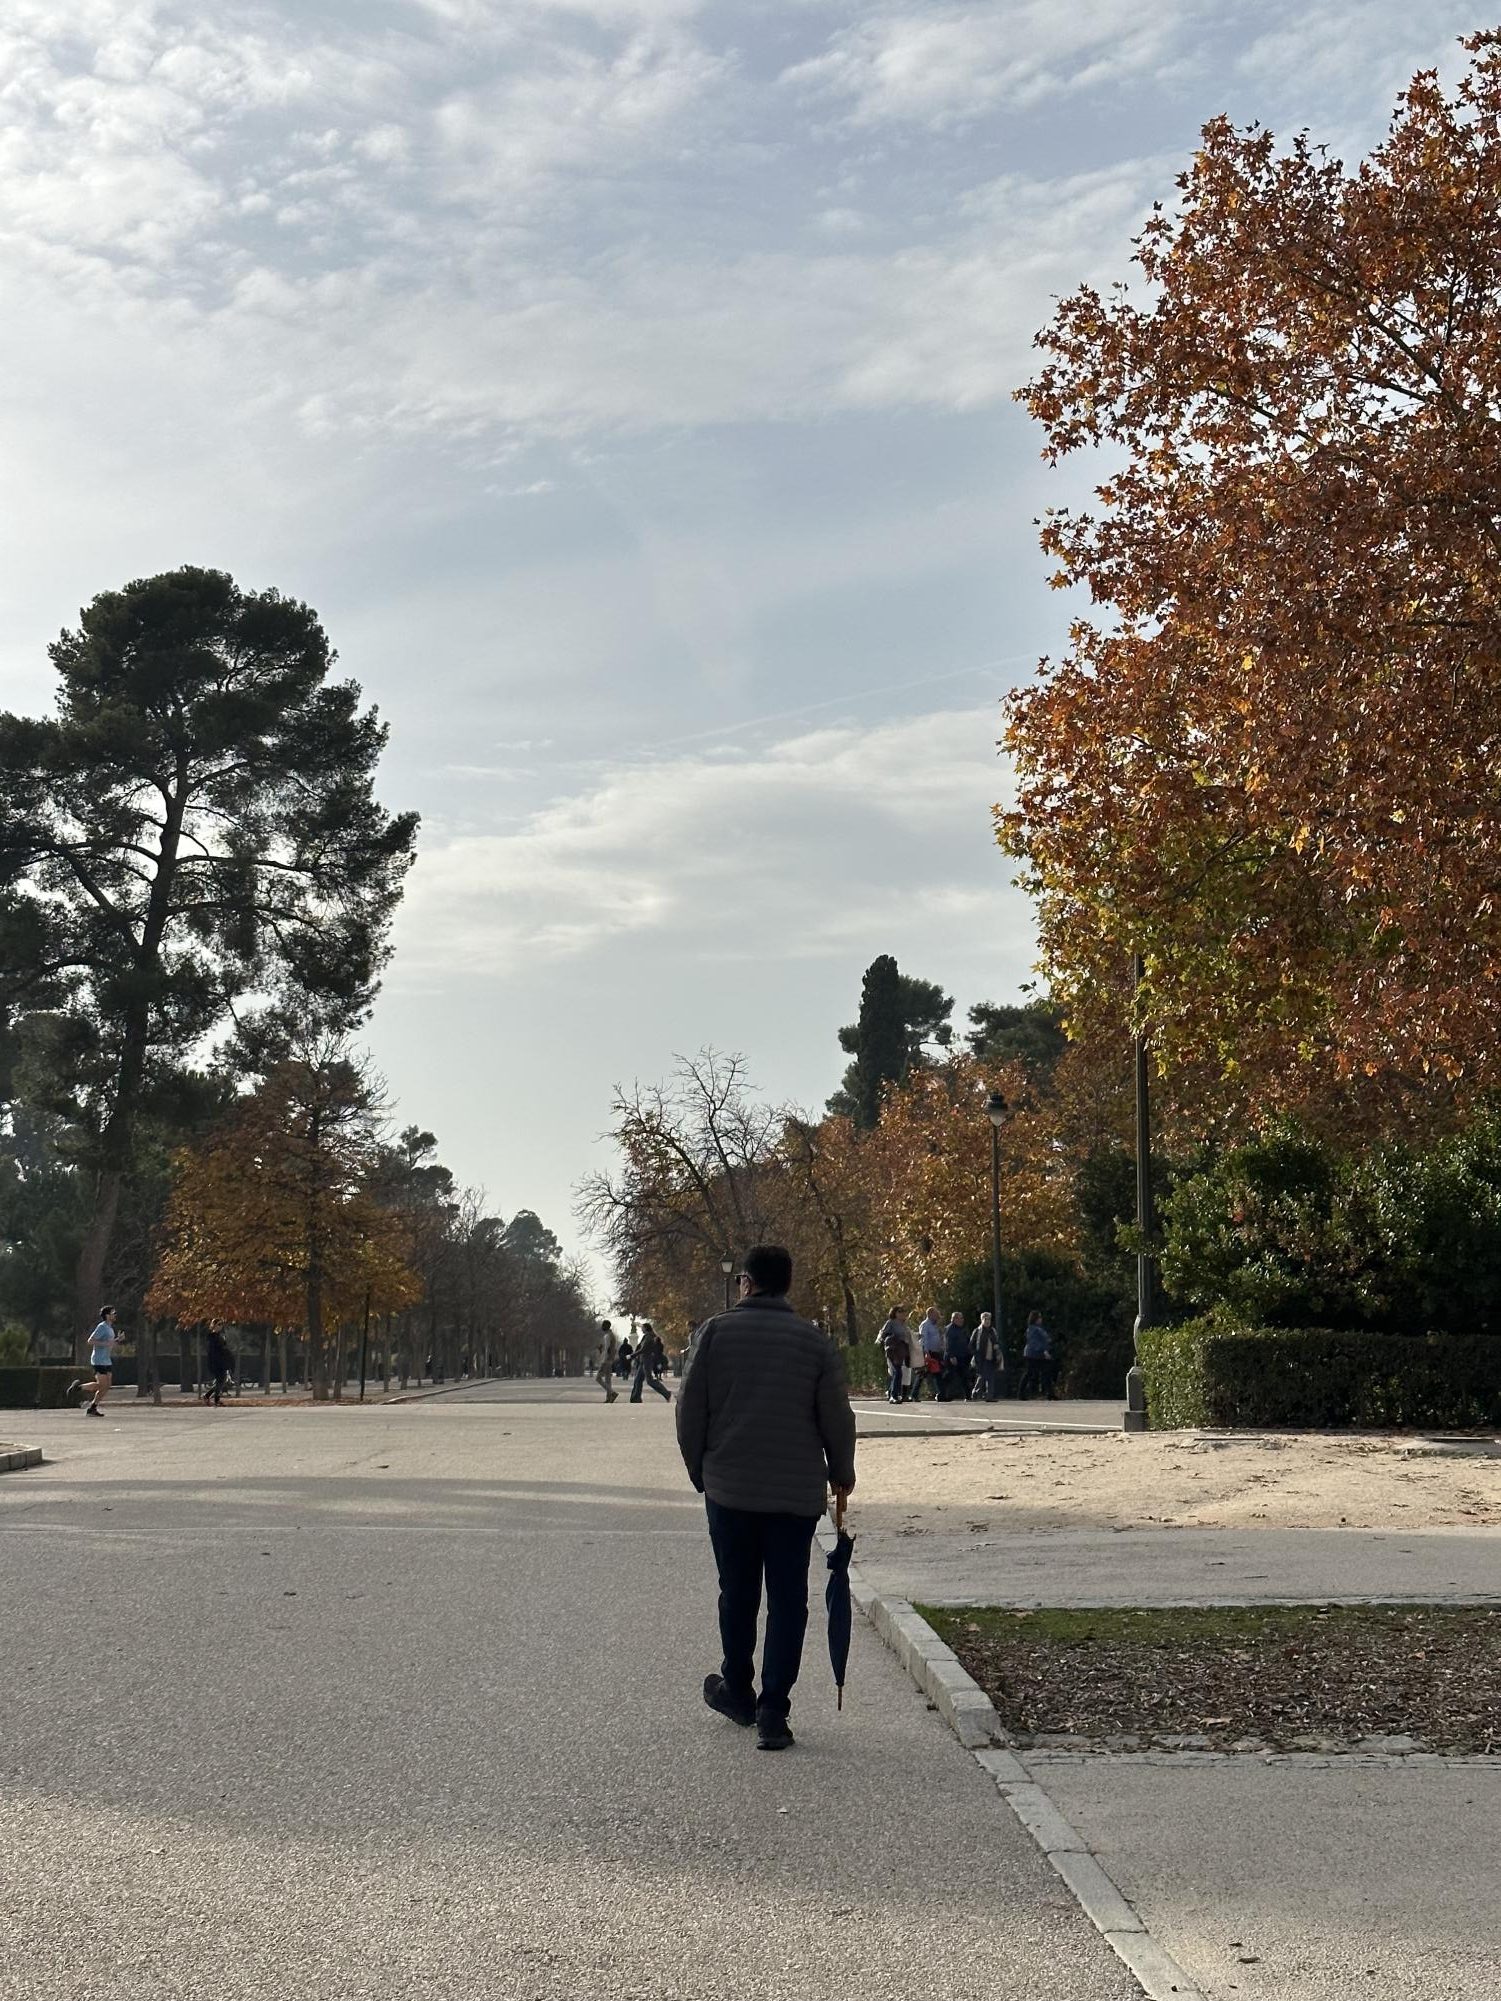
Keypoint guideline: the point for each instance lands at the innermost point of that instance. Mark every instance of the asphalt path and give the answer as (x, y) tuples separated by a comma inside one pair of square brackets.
[(987, 1565), (405, 1700)]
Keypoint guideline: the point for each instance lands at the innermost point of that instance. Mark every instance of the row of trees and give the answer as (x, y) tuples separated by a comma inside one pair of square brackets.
[(1266, 766), (1289, 1226), (197, 883), (886, 1196)]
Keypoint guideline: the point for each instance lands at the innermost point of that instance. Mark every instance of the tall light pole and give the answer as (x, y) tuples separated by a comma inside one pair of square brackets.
[(995, 1111), (727, 1266), (1146, 1217)]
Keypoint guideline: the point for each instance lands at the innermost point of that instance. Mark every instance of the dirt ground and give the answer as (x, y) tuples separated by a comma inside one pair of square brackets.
[(1293, 1677), (1118, 1481)]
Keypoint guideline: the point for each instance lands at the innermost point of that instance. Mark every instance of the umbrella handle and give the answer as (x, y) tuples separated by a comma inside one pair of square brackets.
[(839, 1507)]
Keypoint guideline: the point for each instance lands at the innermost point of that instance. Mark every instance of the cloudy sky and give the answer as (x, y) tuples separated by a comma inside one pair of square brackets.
[(627, 383)]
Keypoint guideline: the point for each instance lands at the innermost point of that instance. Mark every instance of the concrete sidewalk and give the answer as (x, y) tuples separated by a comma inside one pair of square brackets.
[(407, 1701), (880, 1419), (1185, 1566), (1290, 1879)]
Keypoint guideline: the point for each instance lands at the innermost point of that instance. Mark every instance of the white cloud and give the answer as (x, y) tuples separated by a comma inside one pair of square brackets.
[(948, 65), (1346, 55), (818, 839)]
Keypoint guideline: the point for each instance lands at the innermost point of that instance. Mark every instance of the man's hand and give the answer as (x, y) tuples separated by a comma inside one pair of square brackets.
[(841, 1496)]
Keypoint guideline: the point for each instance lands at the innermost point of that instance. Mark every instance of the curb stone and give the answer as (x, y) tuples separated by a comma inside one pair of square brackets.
[(437, 1390), (972, 1717), (16, 1458)]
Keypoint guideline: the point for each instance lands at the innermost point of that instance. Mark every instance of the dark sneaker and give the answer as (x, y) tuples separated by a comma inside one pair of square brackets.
[(773, 1733), (91, 1410), (741, 1710)]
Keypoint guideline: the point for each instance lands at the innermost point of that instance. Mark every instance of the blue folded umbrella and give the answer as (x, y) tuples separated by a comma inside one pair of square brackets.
[(837, 1598)]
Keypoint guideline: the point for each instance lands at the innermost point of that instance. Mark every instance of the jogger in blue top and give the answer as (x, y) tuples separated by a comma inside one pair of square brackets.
[(101, 1361)]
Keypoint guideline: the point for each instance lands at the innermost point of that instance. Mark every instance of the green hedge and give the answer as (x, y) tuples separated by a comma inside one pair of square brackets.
[(1096, 1368), (36, 1388), (865, 1366), (1210, 1373)]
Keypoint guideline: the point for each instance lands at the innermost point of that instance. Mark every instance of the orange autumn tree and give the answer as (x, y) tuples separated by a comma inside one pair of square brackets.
[(270, 1221), (1269, 760), (926, 1176)]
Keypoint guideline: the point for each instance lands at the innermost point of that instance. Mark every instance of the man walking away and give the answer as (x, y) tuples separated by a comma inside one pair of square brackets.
[(988, 1360), (1037, 1357), (216, 1353), (765, 1428), (956, 1357), (101, 1361), (650, 1355), (609, 1348), (896, 1340)]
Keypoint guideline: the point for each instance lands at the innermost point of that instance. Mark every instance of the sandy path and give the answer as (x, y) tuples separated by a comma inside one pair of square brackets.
[(1132, 1482)]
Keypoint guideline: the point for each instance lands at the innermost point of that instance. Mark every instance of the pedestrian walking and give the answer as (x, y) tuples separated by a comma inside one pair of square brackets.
[(650, 1355), (765, 1429), (609, 1348), (954, 1381), (220, 1361), (930, 1349), (1037, 1358), (627, 1356), (988, 1360), (102, 1343), (896, 1342)]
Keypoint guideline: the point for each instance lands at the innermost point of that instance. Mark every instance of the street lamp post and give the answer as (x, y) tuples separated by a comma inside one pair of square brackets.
[(1146, 1219), (727, 1266), (995, 1109)]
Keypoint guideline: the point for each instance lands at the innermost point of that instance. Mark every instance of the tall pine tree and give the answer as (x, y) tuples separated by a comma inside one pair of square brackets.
[(193, 834), (899, 1016)]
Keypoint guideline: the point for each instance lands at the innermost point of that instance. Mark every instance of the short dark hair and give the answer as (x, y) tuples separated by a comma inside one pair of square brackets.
[(768, 1267), (105, 1312), (603, 1326)]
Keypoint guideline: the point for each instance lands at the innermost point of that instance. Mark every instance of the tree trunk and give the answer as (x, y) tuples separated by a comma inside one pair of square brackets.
[(88, 1289), (851, 1319), (116, 1141)]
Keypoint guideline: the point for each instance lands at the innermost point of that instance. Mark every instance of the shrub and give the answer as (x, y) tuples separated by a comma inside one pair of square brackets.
[(1213, 1372), (1097, 1367), (35, 1389), (15, 1347), (1286, 1231), (865, 1366)]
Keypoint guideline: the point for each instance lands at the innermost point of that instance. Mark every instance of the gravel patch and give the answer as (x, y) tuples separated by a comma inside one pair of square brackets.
[(1283, 1677)]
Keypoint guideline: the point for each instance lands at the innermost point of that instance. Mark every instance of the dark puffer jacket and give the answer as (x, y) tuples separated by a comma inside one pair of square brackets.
[(764, 1418)]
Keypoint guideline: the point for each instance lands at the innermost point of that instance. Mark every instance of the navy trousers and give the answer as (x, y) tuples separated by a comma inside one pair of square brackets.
[(750, 1547)]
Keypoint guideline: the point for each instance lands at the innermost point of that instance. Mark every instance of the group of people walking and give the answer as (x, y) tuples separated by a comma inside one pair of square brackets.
[(642, 1363), (957, 1363)]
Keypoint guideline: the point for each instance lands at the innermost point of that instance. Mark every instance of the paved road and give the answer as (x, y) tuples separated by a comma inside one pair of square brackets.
[(1185, 1566), (1287, 1882), (877, 1417), (405, 1700)]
